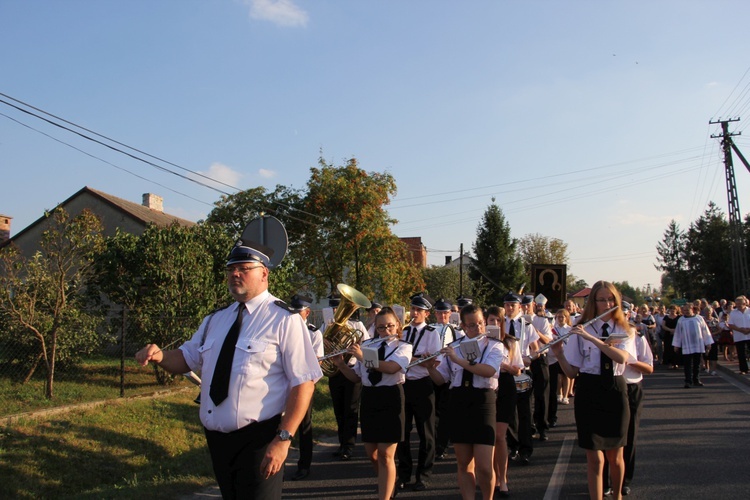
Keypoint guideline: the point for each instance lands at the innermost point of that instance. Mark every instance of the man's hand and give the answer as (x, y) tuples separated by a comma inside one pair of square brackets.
[(274, 458), (149, 353)]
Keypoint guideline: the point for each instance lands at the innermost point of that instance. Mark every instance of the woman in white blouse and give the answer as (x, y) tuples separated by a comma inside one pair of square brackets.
[(382, 403), (601, 402), (472, 396)]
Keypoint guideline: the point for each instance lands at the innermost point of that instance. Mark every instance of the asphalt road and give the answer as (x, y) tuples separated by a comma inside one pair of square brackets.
[(693, 443)]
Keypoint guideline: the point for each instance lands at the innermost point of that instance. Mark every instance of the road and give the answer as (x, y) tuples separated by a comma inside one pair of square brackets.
[(693, 443)]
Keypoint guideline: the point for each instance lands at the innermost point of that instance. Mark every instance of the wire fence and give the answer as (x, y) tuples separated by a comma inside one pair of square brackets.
[(87, 367)]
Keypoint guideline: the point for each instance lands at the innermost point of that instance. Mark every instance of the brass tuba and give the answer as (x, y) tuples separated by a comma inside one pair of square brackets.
[(339, 335)]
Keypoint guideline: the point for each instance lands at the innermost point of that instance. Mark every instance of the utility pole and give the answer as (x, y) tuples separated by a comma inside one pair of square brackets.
[(739, 259), (461, 271)]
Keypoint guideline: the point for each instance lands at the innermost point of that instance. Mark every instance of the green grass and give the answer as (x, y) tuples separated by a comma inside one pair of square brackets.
[(135, 448), (97, 379)]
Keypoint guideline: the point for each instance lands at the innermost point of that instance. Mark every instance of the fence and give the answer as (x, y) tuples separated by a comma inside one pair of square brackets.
[(82, 374)]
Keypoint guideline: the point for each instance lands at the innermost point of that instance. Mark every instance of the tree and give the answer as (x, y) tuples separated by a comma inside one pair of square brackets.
[(709, 255), (497, 262), (44, 296), (671, 258), (444, 281), (538, 249), (349, 238), (168, 279)]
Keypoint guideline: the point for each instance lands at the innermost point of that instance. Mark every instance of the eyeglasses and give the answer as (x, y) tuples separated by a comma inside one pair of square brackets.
[(475, 325), (242, 270), (383, 328), (610, 300)]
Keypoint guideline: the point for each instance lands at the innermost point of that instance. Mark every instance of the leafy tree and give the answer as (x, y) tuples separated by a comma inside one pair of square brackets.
[(43, 296), (575, 284), (538, 249), (444, 281), (168, 279), (350, 239), (497, 262), (630, 292)]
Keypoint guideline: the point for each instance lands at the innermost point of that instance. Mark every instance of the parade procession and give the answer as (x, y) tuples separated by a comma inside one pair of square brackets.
[(470, 377)]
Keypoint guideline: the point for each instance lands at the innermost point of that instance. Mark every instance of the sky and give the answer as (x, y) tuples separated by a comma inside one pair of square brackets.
[(586, 121)]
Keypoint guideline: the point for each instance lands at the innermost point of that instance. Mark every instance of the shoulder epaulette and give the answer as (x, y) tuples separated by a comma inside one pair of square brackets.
[(429, 328), (312, 327), (285, 306)]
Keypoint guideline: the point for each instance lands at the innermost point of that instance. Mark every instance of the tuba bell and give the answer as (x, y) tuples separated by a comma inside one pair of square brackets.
[(339, 335)]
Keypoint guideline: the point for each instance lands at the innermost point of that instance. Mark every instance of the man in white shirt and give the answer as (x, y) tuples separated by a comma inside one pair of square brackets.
[(739, 323), (258, 368)]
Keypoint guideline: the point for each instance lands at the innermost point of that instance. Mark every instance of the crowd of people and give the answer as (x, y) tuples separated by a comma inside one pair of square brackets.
[(486, 380)]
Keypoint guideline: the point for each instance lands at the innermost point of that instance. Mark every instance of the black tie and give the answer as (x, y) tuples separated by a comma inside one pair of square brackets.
[(220, 381), (375, 376), (607, 370), (467, 379), (512, 329), (412, 334)]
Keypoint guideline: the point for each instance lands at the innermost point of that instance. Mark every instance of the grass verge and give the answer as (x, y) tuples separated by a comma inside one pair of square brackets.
[(141, 448)]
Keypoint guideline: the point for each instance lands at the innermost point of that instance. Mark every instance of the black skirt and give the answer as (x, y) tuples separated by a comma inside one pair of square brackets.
[(505, 408), (472, 414), (602, 414), (382, 414)]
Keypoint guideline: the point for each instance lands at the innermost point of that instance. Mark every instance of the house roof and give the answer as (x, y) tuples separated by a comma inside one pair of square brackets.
[(582, 293), (139, 213)]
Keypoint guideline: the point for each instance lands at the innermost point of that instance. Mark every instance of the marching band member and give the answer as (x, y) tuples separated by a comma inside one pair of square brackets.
[(419, 393), (372, 311), (520, 432), (472, 403), (345, 396), (601, 402), (382, 397), (539, 366), (450, 334), (505, 407), (301, 304), (558, 382)]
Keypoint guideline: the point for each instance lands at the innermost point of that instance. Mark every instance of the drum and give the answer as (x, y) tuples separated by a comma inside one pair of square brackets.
[(523, 382)]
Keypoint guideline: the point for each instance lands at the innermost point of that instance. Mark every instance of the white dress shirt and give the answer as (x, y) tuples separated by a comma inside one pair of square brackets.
[(692, 335), (395, 350), (741, 319), (273, 354), (426, 342), (584, 355), (493, 352), (643, 354)]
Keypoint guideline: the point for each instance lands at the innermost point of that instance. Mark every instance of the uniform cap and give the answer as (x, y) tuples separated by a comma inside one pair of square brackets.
[(443, 305), (511, 297), (249, 251), (300, 301), (462, 301), (421, 301)]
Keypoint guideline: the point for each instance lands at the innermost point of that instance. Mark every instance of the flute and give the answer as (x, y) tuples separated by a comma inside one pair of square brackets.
[(364, 344), (436, 354), (561, 338)]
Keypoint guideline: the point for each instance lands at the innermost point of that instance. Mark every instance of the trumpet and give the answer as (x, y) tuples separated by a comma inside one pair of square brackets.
[(562, 338), (366, 343), (436, 354)]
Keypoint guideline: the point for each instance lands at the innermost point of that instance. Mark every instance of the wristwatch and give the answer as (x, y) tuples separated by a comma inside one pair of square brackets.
[(284, 435)]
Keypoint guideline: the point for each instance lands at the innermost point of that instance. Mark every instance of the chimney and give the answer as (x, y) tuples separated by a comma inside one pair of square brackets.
[(4, 228), (448, 259), (153, 201)]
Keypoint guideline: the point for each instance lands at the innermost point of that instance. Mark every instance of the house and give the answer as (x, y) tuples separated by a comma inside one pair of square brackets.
[(417, 250), (114, 213)]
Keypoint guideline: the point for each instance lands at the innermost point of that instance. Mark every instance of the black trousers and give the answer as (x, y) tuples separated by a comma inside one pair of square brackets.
[(692, 367), (236, 457), (305, 434), (519, 429), (540, 385), (442, 422), (419, 408), (741, 348), (345, 397), (635, 402), (554, 381)]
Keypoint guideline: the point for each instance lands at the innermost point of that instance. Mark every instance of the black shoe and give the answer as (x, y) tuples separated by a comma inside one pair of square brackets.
[(419, 486), (687, 386), (608, 492), (625, 490), (346, 454), (553, 424), (441, 456), (698, 383), (501, 494), (301, 474), (338, 451), (513, 455), (543, 436), (401, 485), (525, 460)]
